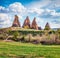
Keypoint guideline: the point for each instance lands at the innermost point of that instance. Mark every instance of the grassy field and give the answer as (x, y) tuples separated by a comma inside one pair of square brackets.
[(28, 50)]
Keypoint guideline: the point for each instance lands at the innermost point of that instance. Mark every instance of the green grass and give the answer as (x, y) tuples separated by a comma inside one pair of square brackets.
[(28, 50)]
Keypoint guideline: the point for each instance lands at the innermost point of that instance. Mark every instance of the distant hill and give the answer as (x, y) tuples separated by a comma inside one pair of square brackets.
[(55, 28)]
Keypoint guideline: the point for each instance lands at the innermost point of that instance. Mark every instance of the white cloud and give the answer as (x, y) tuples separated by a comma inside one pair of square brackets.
[(52, 12), (39, 20), (57, 3), (7, 14), (36, 10), (39, 3), (36, 7), (2, 8), (17, 7), (49, 10), (4, 20), (53, 25), (55, 13)]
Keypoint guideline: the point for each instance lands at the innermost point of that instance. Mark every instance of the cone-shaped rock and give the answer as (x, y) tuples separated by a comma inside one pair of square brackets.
[(34, 24), (39, 28), (47, 27), (16, 22), (26, 23)]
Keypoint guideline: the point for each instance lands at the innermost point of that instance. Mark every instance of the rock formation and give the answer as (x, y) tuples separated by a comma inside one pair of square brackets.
[(39, 28), (16, 22), (34, 24), (26, 23), (47, 26)]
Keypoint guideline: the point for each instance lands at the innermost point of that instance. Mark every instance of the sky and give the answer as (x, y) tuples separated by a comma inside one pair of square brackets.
[(44, 11)]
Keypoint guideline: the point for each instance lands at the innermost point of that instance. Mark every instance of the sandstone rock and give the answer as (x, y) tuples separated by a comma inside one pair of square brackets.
[(34, 24), (16, 22), (26, 23)]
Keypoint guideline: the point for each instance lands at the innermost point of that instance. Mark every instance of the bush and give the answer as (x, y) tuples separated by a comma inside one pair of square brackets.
[(15, 35)]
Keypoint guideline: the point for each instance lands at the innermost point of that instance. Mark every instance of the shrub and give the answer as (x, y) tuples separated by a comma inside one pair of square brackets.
[(26, 27), (15, 35), (47, 27)]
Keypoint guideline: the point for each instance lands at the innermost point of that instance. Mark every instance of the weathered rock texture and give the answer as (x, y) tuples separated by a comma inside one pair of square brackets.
[(16, 22), (26, 23), (34, 24)]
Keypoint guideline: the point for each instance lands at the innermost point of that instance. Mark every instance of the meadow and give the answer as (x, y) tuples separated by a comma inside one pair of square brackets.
[(24, 50)]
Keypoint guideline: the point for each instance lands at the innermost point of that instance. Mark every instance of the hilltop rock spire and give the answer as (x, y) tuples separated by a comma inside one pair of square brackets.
[(47, 26), (26, 23), (16, 22), (34, 24)]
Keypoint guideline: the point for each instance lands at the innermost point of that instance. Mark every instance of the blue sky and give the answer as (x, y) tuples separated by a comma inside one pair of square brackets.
[(7, 2), (44, 11)]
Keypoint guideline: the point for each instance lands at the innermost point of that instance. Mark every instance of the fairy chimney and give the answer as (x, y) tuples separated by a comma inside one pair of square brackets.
[(47, 26), (16, 22), (34, 24), (26, 23)]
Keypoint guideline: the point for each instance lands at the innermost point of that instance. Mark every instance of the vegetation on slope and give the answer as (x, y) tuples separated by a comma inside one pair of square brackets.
[(31, 35)]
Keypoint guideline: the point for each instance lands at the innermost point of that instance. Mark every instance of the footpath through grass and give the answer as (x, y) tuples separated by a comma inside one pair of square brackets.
[(28, 50)]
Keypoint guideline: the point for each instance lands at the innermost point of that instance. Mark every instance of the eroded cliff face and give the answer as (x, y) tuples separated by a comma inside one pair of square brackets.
[(26, 23), (34, 24), (16, 22)]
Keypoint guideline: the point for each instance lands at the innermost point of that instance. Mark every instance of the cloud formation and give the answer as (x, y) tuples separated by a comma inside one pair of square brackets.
[(45, 11), (7, 14), (4, 20), (16, 7)]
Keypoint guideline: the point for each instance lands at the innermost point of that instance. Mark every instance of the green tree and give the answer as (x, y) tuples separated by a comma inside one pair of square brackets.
[(47, 27), (15, 35)]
